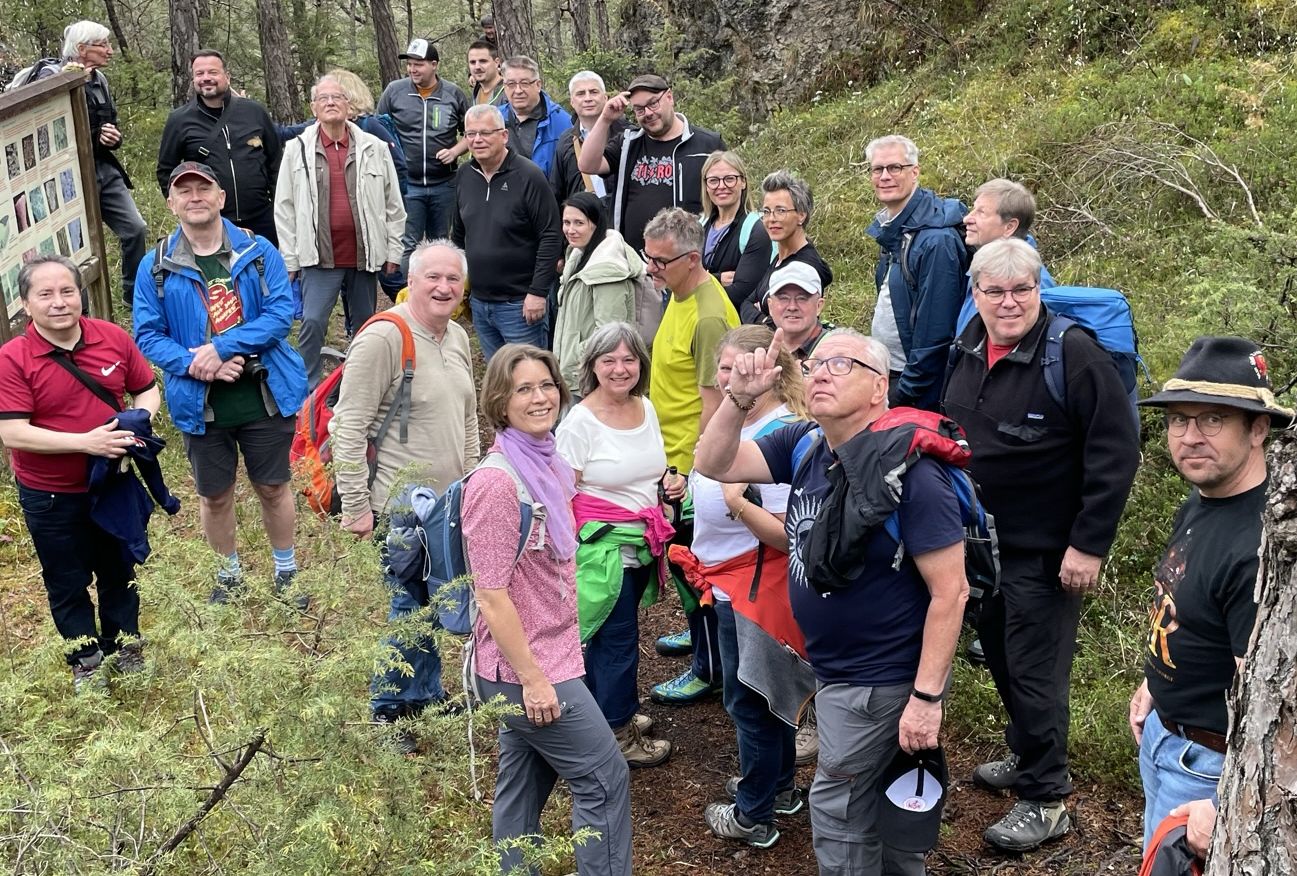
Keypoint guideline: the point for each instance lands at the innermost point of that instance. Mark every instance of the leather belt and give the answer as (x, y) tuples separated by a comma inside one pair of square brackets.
[(1209, 738)]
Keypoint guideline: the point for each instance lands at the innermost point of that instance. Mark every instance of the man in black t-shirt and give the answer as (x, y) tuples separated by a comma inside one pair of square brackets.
[(1219, 410), (657, 165)]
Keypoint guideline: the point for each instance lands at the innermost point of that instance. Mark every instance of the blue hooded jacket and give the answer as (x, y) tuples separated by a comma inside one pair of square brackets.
[(551, 126), (167, 327), (925, 316)]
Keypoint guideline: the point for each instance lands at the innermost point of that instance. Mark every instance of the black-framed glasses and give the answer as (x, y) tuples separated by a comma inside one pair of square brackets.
[(890, 169), (839, 366), (658, 264), (995, 296), (729, 181), (650, 107), (1209, 424)]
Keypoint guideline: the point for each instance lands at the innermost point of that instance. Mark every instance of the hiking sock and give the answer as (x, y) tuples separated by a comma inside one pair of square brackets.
[(231, 570), (285, 560)]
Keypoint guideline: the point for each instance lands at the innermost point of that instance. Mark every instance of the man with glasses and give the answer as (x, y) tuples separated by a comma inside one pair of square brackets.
[(534, 119), (586, 93), (657, 165), (682, 384), (508, 222), (920, 273), (339, 216), (429, 115), (881, 643), (1056, 478), (794, 304), (1220, 408)]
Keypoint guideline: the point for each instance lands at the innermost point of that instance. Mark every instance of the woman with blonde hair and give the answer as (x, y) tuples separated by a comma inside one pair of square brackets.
[(737, 248)]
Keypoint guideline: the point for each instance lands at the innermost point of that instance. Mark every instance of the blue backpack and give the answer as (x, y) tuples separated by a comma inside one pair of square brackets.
[(981, 541), (426, 545)]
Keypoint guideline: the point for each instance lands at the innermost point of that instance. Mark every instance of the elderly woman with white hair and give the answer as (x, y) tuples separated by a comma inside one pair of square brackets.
[(89, 44)]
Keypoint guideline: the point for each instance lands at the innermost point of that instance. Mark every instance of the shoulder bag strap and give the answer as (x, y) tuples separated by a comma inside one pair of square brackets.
[(64, 360)]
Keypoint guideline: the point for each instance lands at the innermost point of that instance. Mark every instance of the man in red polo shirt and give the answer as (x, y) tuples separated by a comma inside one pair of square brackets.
[(51, 422)]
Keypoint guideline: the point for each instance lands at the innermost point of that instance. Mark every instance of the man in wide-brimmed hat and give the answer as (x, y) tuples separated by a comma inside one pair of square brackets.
[(1220, 407)]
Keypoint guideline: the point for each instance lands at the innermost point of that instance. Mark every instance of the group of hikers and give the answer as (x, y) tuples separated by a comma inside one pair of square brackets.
[(670, 412)]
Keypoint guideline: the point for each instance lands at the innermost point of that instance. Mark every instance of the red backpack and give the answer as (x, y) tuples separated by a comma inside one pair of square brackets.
[(312, 454)]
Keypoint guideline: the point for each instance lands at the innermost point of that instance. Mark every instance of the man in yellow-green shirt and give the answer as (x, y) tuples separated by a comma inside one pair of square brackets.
[(683, 388)]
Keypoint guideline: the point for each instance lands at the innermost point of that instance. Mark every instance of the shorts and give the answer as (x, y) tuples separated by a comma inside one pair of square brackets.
[(265, 443)]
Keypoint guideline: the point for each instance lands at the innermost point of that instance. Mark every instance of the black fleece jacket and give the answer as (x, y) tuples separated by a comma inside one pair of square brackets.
[(1053, 478), (510, 228)]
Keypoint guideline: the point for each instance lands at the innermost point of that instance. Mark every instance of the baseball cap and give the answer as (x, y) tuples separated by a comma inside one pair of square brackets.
[(420, 50), (648, 82), (912, 794), (798, 274), (192, 168)]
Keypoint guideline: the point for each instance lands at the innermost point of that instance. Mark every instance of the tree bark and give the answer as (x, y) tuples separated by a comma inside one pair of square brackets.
[(184, 42), (514, 28), (1256, 829), (580, 11), (601, 23), (115, 23), (282, 98), (389, 66)]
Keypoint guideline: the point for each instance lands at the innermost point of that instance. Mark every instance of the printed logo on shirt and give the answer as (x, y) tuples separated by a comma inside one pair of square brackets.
[(802, 511), (504, 186), (224, 306), (110, 369), (654, 171), (1163, 614)]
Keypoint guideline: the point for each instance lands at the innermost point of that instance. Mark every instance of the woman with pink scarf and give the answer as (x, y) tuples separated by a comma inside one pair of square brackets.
[(613, 441), (526, 640)]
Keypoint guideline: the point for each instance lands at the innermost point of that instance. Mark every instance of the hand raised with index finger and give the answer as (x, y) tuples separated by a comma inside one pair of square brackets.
[(756, 373)]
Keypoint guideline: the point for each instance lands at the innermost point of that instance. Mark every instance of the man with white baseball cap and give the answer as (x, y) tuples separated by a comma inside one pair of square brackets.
[(794, 300)]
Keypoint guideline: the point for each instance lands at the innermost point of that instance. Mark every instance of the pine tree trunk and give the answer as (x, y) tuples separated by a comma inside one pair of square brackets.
[(601, 23), (580, 10), (282, 98), (389, 65), (514, 28), (115, 23), (1256, 830), (184, 42)]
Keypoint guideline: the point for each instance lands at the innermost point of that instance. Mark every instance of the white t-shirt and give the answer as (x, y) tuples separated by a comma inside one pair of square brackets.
[(622, 466), (717, 538)]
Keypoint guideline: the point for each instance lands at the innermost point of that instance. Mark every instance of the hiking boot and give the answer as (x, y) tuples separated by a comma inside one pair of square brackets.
[(1029, 824), (227, 588), (684, 689), (129, 659), (639, 750), (975, 654), (283, 581), (786, 802), (723, 819), (643, 723), (401, 740), (808, 737), (86, 676), (998, 775), (675, 645)]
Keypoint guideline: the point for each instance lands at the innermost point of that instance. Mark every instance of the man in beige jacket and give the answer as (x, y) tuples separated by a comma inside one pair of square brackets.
[(339, 217), (441, 443)]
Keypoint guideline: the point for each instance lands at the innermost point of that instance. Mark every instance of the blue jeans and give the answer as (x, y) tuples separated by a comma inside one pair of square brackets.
[(1174, 771), (501, 322), (427, 216), (767, 746), (72, 550), (612, 654), (706, 659), (392, 694), (320, 289)]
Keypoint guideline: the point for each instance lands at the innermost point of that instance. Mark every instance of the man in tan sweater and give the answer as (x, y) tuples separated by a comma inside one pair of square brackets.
[(441, 438)]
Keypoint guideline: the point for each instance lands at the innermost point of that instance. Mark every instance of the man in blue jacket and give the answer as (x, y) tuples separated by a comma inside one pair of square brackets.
[(920, 274), (214, 315), (534, 120)]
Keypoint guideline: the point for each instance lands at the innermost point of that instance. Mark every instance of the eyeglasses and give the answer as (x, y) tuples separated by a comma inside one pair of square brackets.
[(652, 261), (777, 212), (839, 366), (650, 107), (786, 299), (329, 98), (890, 169), (729, 181), (1019, 293), (481, 135), (1209, 424), (516, 84), (527, 390)]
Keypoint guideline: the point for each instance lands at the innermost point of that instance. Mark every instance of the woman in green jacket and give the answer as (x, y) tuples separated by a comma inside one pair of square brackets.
[(598, 283)]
